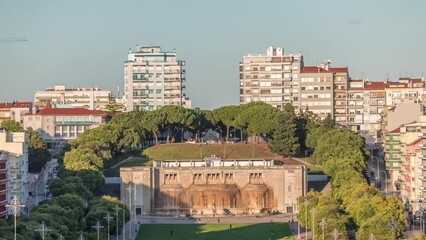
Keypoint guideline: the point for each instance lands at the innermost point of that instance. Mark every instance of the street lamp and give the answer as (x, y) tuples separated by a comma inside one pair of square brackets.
[(306, 219), (130, 189), (336, 234), (15, 206), (108, 218), (323, 223), (386, 180), (98, 227), (81, 237), (313, 223), (43, 230), (117, 208)]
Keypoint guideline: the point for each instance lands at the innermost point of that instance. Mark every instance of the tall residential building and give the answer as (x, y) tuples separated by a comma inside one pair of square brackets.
[(16, 144), (366, 103), (61, 124), (3, 183), (90, 98), (323, 91), (272, 78), (153, 78)]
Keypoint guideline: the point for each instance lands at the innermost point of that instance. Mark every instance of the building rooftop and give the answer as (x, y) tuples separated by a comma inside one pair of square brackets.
[(68, 111), (15, 104), (397, 130), (316, 69)]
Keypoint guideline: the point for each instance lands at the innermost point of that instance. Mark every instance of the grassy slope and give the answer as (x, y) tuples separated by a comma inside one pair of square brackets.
[(259, 231), (195, 151)]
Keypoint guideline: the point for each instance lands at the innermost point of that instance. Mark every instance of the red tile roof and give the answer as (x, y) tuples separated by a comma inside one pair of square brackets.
[(315, 69), (415, 142), (398, 130), (374, 86), (370, 86), (69, 111), (356, 80), (15, 104)]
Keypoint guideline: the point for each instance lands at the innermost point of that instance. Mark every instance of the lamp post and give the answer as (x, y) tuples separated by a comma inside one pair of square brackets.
[(43, 230), (124, 223), (323, 223), (15, 206), (130, 189), (306, 219), (108, 218), (313, 223), (393, 225), (98, 227), (335, 234), (116, 208), (386, 180), (81, 237)]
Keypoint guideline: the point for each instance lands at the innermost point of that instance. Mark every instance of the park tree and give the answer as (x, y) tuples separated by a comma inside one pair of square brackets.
[(258, 119), (176, 119), (342, 143), (131, 120), (11, 126), (284, 140), (38, 155), (153, 121), (226, 115), (71, 185), (203, 121), (82, 159)]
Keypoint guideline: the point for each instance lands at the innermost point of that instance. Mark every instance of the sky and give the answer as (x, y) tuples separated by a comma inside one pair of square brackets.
[(85, 43)]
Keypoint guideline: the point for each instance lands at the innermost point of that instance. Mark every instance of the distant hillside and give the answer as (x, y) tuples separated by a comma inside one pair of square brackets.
[(199, 151)]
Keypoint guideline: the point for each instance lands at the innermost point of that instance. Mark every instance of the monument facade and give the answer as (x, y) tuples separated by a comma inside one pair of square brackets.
[(213, 186)]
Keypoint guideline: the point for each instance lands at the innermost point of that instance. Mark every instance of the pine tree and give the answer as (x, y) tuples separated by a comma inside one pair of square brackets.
[(284, 140)]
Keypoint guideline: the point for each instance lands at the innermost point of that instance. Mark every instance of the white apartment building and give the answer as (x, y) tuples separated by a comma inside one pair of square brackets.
[(153, 78), (406, 90), (90, 98), (16, 144), (63, 124), (272, 78)]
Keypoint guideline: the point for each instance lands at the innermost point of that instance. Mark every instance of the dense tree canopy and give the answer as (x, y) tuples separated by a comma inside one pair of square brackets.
[(38, 155), (284, 140), (11, 126)]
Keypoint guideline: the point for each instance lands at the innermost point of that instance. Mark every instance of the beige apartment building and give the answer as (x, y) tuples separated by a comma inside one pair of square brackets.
[(153, 78), (213, 186), (366, 103), (16, 145), (90, 98), (272, 78), (63, 124), (323, 91), (14, 111)]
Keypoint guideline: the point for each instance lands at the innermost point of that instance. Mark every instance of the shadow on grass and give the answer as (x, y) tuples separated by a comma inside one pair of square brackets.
[(247, 231)]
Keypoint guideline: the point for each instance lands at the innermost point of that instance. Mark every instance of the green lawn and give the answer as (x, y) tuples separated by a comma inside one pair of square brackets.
[(247, 231), (196, 151), (115, 172)]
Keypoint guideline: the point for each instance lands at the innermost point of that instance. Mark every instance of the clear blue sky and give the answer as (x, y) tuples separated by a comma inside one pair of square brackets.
[(84, 43)]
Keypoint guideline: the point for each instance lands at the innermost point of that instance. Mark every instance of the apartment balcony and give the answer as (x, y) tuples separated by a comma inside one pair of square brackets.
[(74, 122)]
